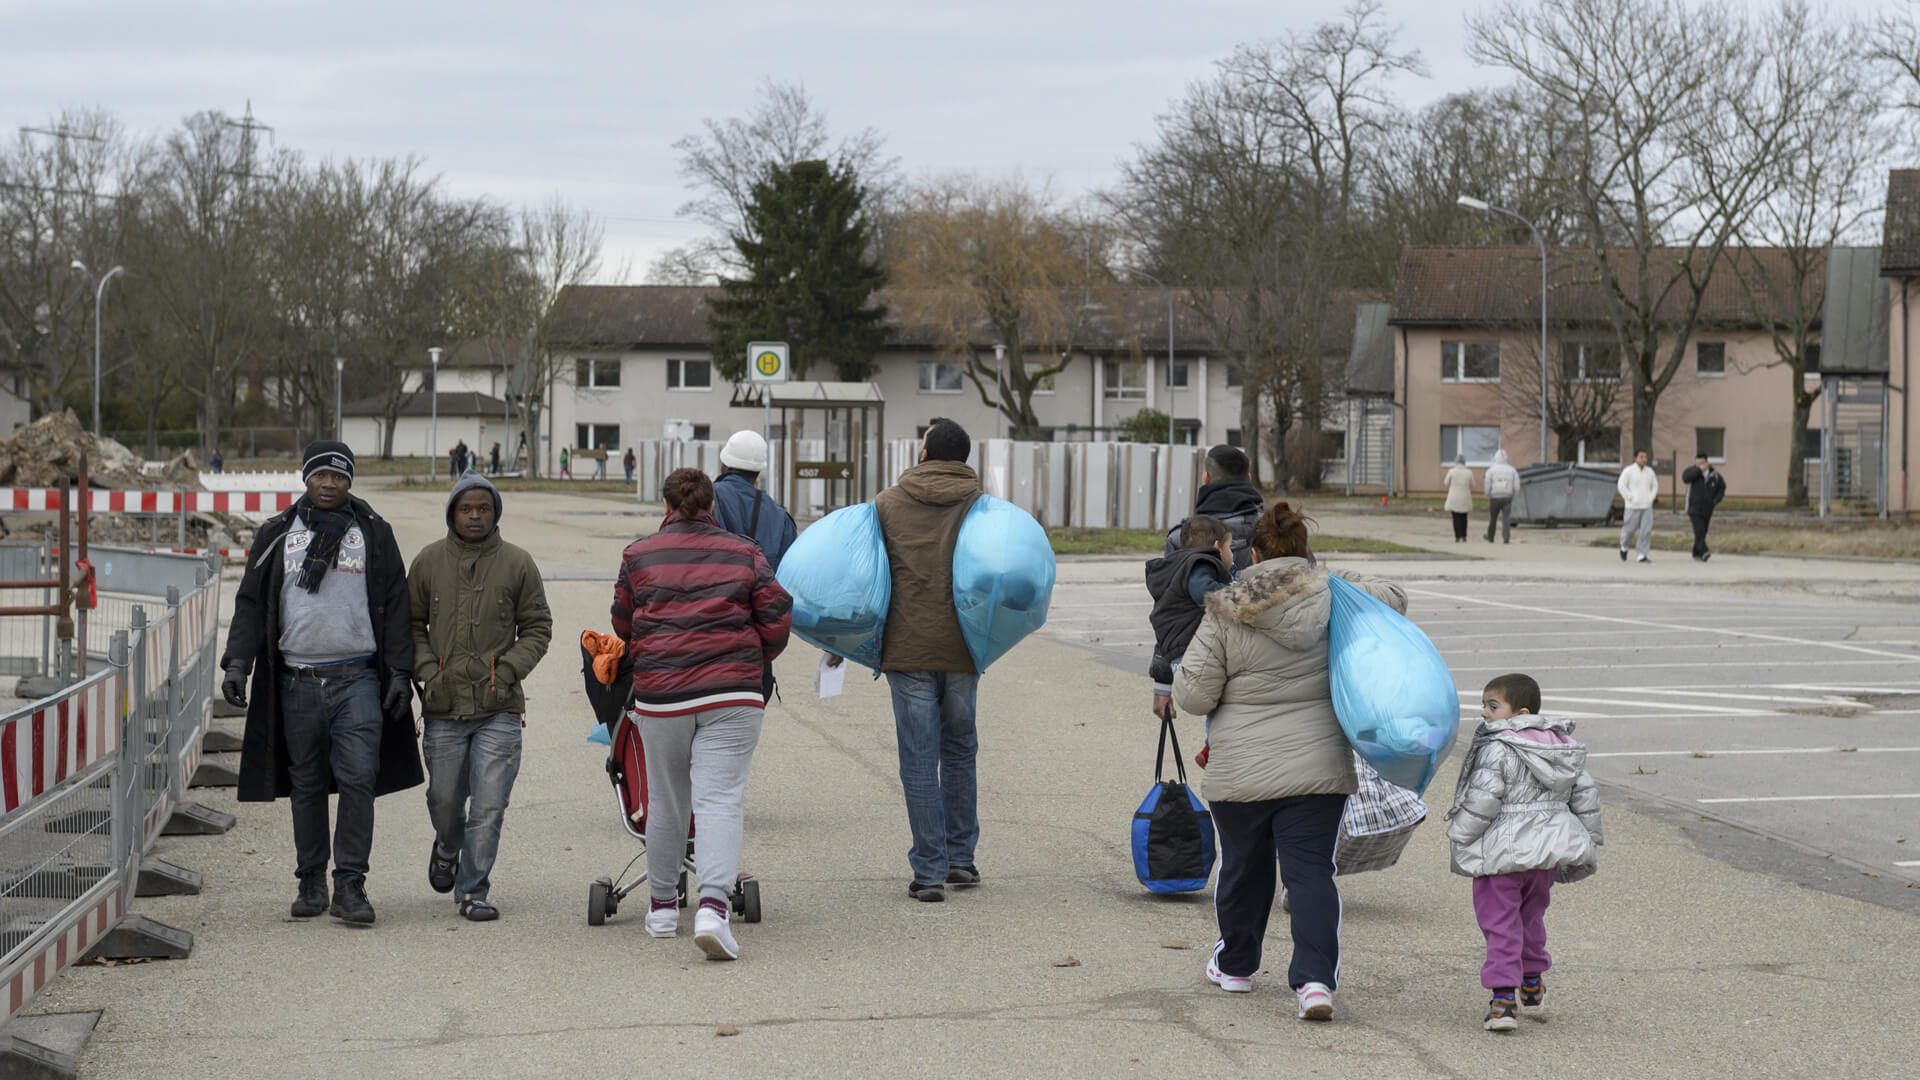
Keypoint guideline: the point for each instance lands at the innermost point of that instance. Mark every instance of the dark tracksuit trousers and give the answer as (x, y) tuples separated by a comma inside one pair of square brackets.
[(1299, 832)]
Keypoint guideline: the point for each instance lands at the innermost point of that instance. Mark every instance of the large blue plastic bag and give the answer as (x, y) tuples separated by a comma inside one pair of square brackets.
[(1392, 692), (1002, 578), (838, 577)]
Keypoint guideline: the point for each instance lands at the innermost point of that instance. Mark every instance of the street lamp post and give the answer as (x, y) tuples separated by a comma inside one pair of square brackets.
[(98, 294), (999, 385), (339, 417), (1472, 203), (1169, 294), (433, 449)]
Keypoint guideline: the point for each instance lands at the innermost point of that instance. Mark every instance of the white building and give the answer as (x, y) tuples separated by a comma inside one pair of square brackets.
[(472, 380)]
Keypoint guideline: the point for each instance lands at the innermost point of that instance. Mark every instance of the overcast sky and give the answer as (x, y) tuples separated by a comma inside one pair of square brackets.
[(518, 100)]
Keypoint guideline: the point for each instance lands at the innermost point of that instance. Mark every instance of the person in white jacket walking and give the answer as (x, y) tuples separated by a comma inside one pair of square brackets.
[(1639, 487), (1502, 481)]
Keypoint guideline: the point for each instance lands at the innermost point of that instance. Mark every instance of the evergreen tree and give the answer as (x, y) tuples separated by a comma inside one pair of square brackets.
[(809, 276)]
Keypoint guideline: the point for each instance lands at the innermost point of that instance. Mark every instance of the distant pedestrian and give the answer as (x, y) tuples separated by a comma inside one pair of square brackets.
[(495, 460), (520, 450), (1639, 486), (219, 463), (1705, 488), (742, 507), (1501, 481), (1459, 496), (566, 463), (629, 461), (600, 462), (1525, 815)]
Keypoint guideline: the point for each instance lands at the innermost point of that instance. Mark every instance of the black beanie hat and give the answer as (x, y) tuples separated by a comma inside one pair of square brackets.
[(326, 454)]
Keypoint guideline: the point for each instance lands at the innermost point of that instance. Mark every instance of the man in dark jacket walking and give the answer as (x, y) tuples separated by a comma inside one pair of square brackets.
[(480, 624), (742, 507), (928, 666), (1227, 493), (321, 621), (1705, 488)]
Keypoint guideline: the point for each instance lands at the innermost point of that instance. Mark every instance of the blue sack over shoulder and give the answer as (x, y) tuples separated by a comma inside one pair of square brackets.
[(1392, 691), (1002, 578), (837, 574)]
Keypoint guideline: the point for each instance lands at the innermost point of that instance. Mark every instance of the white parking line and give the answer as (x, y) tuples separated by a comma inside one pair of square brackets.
[(1768, 750), (1807, 798), (1692, 664), (1909, 862)]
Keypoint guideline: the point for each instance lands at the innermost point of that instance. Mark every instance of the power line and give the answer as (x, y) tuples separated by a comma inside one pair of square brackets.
[(65, 133)]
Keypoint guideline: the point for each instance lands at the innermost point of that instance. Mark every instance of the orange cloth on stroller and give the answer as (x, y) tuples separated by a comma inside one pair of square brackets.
[(606, 650)]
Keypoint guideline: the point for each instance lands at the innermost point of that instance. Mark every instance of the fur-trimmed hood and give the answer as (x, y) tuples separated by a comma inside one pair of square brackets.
[(1285, 599)]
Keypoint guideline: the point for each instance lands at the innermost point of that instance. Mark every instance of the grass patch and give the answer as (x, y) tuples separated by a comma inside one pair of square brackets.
[(1862, 539), (1146, 543)]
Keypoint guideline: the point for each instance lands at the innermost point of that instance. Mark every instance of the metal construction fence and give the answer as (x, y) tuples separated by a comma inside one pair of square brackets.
[(90, 775)]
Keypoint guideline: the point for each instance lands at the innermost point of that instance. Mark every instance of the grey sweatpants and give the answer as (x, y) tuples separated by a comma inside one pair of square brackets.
[(697, 765), (1643, 521)]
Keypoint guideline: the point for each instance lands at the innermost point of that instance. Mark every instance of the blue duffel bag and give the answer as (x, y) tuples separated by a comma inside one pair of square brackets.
[(1172, 832), (838, 576), (1391, 690), (1002, 578)]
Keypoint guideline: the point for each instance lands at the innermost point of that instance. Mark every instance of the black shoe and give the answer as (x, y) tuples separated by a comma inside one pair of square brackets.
[(927, 894), (313, 896), (350, 903), (1623, 554), (441, 869), (1705, 555), (478, 911), (964, 875)]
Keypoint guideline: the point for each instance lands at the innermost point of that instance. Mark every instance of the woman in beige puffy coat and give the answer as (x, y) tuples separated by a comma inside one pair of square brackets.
[(1459, 496), (1279, 769)]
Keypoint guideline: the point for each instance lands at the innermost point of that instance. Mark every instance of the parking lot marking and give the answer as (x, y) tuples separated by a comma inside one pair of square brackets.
[(1765, 750), (1807, 798), (1909, 862)]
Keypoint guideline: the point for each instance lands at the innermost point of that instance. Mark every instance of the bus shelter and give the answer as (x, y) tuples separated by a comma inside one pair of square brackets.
[(827, 442)]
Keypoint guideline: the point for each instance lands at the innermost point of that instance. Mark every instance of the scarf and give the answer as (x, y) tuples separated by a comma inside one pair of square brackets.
[(329, 528)]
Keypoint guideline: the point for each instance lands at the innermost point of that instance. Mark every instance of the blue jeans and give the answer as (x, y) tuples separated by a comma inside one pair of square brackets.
[(331, 727), (933, 720), (471, 766)]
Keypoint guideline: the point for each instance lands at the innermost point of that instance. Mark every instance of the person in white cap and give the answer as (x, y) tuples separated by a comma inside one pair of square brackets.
[(742, 507)]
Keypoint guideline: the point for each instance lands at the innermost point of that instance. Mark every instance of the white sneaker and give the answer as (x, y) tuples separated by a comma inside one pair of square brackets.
[(1232, 984), (710, 932), (663, 922), (1316, 1002)]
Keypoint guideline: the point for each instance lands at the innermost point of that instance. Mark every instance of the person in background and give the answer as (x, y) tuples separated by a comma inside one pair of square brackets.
[(1227, 494), (480, 624), (494, 460), (1639, 486), (1705, 488), (1459, 496), (629, 461), (1501, 481), (1179, 584), (321, 619), (600, 462), (742, 507), (566, 464)]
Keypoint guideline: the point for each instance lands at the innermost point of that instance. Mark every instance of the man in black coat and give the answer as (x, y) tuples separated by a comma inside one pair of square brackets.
[(1227, 493), (323, 622), (1705, 488)]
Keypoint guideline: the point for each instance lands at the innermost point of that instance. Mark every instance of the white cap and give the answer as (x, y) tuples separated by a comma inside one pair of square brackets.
[(745, 451)]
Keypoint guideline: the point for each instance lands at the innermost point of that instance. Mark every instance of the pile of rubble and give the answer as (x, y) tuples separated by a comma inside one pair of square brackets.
[(205, 531), (47, 451)]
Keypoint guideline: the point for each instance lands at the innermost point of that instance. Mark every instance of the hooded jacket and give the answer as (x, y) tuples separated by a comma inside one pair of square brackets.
[(920, 520), (1237, 503), (734, 497), (480, 619), (1525, 802), (1258, 663), (1502, 480), (1175, 615), (1639, 486)]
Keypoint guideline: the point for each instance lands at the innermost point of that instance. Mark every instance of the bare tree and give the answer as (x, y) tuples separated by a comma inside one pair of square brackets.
[(1894, 43), (559, 246)]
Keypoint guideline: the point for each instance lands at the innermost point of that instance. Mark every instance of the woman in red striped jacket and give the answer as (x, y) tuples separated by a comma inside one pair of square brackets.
[(702, 617)]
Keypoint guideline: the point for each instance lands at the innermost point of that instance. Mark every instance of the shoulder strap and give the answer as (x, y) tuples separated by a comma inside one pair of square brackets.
[(1160, 760), (753, 523)]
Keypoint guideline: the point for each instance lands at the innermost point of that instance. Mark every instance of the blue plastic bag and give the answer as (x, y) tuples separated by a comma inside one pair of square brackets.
[(599, 735), (1392, 691), (838, 576), (1002, 578)]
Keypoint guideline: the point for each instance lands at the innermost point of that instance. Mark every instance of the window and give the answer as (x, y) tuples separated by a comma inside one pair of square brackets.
[(689, 374), (1179, 374), (1710, 357), (1126, 379), (1234, 378), (1710, 443), (1469, 361), (702, 432), (596, 373), (1233, 436), (1591, 361), (1813, 358), (589, 436), (1810, 445), (1477, 443), (1044, 384), (1333, 445), (940, 377), (1601, 449)]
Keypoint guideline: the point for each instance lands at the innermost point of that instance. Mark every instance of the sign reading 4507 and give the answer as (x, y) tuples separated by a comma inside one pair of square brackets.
[(767, 361)]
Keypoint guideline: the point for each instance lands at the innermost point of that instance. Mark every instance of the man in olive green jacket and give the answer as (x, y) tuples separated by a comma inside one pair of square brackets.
[(480, 624)]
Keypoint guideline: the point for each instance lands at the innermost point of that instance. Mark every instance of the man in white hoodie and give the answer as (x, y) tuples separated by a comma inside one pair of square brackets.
[(1502, 481), (1639, 487)]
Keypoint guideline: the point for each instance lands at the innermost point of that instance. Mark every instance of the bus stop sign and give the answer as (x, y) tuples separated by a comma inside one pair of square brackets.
[(767, 361)]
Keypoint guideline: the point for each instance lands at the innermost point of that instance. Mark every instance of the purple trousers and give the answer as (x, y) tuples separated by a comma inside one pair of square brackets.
[(1512, 909)]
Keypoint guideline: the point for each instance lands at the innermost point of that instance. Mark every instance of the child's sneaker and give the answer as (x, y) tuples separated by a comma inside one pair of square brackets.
[(663, 918), (711, 933), (1533, 999), (1501, 1014), (1316, 1001), (1232, 984)]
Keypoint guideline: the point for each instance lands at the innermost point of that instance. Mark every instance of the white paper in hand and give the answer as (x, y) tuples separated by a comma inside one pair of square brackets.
[(829, 678)]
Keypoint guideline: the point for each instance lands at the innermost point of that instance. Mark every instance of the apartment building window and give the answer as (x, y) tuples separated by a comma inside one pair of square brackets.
[(1710, 357), (1813, 358), (1477, 442), (689, 374), (1601, 449), (1469, 361), (1233, 436), (1234, 378), (1180, 374), (1710, 443), (941, 377), (597, 373), (702, 432), (1126, 379), (588, 436), (1041, 384), (1591, 361)]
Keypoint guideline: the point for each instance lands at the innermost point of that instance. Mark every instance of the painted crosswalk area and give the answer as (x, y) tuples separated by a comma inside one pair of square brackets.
[(1789, 716)]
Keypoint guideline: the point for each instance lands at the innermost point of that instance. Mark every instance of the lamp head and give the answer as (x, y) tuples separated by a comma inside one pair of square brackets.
[(80, 266), (1471, 203), (435, 354)]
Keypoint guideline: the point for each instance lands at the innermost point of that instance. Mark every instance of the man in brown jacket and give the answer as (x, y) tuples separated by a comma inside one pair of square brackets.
[(927, 664)]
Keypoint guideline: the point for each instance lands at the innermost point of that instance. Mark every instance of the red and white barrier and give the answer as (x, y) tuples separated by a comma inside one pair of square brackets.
[(40, 749), (65, 949), (101, 501)]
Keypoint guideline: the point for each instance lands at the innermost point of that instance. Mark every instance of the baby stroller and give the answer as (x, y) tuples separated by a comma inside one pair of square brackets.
[(627, 769)]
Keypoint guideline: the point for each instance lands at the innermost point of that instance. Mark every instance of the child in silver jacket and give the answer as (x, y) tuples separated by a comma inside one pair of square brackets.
[(1525, 815)]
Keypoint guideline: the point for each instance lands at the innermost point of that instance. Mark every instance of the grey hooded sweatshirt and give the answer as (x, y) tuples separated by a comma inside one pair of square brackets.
[(1525, 802)]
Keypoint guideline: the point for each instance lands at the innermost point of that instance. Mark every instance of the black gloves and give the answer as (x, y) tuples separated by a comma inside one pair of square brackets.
[(234, 686), (399, 693)]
